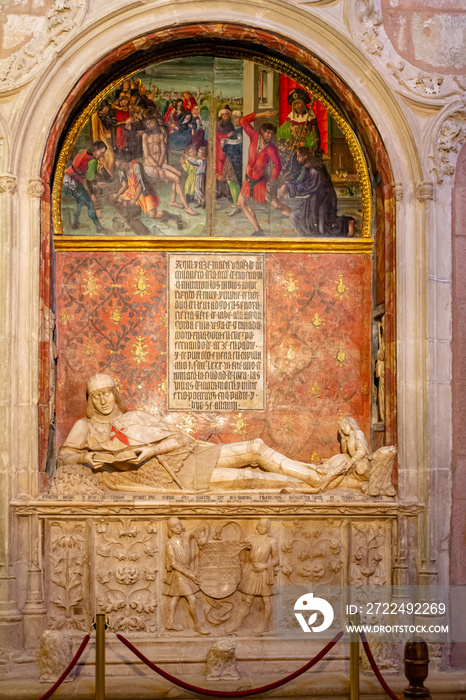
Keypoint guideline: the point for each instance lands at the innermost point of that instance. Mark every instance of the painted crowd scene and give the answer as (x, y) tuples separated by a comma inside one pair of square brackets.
[(202, 146)]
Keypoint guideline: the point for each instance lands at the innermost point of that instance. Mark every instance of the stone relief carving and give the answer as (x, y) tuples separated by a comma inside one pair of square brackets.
[(366, 23), (424, 84), (219, 563), (452, 135), (425, 191), (36, 187), (126, 572), (67, 560), (181, 578), (258, 576), (368, 563), (55, 653), (369, 574), (312, 554), (370, 20), (50, 31), (213, 579), (8, 183), (221, 661), (218, 576), (136, 451), (72, 480)]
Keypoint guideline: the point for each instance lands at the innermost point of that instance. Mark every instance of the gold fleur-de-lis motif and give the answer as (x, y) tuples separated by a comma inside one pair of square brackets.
[(341, 287), (116, 316), (340, 355), (290, 354), (164, 320), (290, 422), (90, 349), (315, 390), (317, 321), (141, 283), (291, 285), (315, 459), (163, 387), (240, 424), (64, 316), (140, 350), (90, 284)]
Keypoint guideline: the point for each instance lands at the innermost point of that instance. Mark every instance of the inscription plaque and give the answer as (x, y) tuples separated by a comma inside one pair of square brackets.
[(216, 332)]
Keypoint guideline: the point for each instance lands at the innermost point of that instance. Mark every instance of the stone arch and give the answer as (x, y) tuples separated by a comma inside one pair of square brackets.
[(292, 30)]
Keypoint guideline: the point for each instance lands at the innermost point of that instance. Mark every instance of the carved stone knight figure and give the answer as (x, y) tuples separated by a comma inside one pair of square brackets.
[(258, 576), (137, 451), (181, 575)]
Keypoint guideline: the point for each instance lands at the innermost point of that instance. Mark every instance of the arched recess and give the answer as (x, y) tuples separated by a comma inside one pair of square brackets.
[(227, 37)]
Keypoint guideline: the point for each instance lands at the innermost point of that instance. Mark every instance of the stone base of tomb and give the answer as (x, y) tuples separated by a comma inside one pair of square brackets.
[(110, 554)]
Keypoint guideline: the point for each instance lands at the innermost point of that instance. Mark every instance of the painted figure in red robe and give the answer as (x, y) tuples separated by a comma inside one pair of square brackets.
[(262, 150)]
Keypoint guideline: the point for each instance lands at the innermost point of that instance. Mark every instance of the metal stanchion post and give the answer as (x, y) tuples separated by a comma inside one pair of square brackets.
[(354, 658), (100, 627)]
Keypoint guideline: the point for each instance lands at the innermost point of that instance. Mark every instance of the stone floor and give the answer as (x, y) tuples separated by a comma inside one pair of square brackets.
[(139, 685)]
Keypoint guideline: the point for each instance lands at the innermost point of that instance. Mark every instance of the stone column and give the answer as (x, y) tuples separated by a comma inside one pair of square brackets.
[(10, 617)]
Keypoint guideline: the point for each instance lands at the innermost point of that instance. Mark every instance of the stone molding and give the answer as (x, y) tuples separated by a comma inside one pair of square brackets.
[(226, 505)]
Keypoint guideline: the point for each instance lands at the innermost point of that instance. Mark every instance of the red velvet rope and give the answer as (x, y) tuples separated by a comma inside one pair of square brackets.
[(234, 693), (375, 668), (67, 670)]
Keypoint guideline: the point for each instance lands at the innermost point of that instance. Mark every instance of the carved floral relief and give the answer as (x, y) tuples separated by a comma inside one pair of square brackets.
[(126, 573), (67, 569)]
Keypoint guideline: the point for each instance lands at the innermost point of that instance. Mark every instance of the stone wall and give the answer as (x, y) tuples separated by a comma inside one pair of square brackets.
[(416, 101)]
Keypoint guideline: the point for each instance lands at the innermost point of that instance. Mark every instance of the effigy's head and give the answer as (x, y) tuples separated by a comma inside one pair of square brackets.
[(102, 396)]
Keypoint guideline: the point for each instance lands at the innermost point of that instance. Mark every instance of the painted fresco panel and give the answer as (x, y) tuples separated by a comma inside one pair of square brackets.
[(112, 317), (203, 146)]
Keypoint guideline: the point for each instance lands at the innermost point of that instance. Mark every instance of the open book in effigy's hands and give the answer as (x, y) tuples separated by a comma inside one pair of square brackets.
[(122, 459)]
